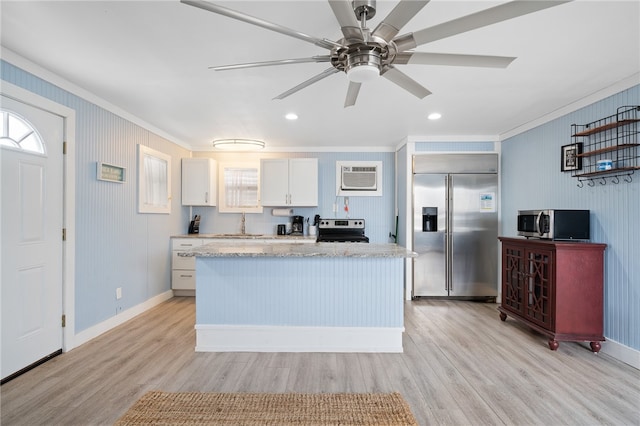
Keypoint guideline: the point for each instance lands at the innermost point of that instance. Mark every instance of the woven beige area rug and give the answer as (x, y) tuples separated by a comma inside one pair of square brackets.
[(282, 409)]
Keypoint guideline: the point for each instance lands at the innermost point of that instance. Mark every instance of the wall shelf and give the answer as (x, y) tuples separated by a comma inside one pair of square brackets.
[(614, 139), (607, 149), (605, 127)]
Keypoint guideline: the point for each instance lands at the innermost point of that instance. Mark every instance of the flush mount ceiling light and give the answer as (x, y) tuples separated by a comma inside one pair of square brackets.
[(238, 144), (434, 116), (291, 116)]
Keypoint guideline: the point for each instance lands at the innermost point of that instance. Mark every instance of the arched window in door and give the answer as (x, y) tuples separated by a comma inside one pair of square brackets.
[(17, 133)]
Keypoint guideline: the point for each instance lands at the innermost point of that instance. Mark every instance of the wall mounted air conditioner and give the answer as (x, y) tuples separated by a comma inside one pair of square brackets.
[(359, 178)]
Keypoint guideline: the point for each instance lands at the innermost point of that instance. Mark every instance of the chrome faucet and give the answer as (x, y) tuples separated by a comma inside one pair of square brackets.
[(243, 221)]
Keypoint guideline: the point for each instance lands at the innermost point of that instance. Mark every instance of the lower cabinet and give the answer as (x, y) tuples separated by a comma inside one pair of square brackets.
[(556, 288), (183, 269)]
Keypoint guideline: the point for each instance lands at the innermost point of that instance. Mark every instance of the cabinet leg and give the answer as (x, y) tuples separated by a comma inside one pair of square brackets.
[(503, 316), (595, 347), (553, 344)]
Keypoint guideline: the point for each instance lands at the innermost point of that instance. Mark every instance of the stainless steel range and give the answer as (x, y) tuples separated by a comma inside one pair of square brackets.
[(341, 231)]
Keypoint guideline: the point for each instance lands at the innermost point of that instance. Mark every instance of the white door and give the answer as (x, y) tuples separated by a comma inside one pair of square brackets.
[(32, 221)]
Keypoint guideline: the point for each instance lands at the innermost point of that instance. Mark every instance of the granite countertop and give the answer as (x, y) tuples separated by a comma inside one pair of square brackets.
[(293, 249), (244, 237)]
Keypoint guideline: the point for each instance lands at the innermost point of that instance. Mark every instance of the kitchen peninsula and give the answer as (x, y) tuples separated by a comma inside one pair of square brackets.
[(252, 295)]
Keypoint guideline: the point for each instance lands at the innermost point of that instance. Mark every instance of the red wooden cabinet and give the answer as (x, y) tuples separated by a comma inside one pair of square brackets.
[(554, 287)]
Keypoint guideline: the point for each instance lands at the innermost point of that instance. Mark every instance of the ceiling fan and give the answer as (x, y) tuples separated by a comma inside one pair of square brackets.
[(365, 54)]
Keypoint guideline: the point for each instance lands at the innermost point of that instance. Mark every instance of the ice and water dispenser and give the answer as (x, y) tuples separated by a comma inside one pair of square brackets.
[(429, 219)]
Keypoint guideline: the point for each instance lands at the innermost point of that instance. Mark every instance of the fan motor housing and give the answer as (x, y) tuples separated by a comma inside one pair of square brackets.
[(360, 57), (354, 55)]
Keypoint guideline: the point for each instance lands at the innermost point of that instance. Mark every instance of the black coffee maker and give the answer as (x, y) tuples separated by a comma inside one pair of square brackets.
[(297, 225)]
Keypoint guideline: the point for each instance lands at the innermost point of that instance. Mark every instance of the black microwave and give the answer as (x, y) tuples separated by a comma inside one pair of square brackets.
[(554, 224)]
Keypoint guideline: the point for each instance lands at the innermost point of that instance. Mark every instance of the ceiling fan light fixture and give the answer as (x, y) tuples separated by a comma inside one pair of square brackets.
[(363, 73), (363, 64), (238, 144)]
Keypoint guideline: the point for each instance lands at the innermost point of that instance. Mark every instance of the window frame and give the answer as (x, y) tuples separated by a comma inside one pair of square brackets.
[(149, 185)]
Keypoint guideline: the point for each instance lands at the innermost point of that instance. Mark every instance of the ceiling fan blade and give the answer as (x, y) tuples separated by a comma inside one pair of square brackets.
[(352, 94), (347, 19), (323, 58), (398, 18), (205, 5), (401, 79), (450, 59), (476, 20), (314, 79)]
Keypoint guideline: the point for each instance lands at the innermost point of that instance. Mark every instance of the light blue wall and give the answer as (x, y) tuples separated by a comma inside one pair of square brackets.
[(531, 178), (378, 212), (115, 246)]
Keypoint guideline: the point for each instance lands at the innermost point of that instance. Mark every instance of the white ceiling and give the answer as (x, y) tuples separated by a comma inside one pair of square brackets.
[(151, 59)]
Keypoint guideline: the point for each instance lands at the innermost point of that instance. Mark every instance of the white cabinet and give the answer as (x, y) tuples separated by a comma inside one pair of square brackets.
[(183, 269), (289, 182), (199, 182)]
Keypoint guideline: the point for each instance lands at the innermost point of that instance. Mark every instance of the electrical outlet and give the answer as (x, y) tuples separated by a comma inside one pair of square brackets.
[(118, 293)]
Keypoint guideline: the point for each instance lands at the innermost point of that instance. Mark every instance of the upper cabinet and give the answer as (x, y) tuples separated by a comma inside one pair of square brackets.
[(289, 182), (199, 182)]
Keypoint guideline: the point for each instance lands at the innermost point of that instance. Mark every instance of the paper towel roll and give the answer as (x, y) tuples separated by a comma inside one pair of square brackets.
[(282, 212)]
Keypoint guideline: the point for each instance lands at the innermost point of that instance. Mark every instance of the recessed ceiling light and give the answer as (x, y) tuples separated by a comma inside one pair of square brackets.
[(434, 116), (291, 116)]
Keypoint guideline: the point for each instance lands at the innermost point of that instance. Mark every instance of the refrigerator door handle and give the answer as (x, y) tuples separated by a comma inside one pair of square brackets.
[(448, 233), (446, 258), (450, 208)]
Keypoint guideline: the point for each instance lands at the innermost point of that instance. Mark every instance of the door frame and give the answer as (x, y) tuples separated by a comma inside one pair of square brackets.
[(68, 203)]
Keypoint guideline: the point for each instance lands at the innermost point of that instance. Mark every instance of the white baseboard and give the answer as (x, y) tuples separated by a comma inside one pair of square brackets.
[(621, 352), (249, 338), (98, 329)]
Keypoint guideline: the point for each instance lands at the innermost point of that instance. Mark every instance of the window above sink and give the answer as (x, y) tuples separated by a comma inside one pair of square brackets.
[(239, 187)]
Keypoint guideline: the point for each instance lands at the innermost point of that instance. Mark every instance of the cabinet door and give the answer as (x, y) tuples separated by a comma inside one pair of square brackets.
[(274, 182), (512, 278), (199, 182), (539, 287), (303, 182)]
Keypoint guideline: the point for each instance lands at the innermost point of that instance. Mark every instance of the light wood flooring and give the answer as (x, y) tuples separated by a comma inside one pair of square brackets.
[(461, 365)]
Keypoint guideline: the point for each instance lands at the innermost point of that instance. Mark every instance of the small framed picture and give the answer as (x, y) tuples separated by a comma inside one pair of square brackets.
[(570, 157)]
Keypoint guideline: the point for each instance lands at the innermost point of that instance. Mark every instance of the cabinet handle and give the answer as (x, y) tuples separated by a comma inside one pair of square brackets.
[(185, 276), (206, 197)]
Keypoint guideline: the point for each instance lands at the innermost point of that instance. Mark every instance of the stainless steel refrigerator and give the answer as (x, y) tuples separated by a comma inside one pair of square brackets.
[(455, 225)]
